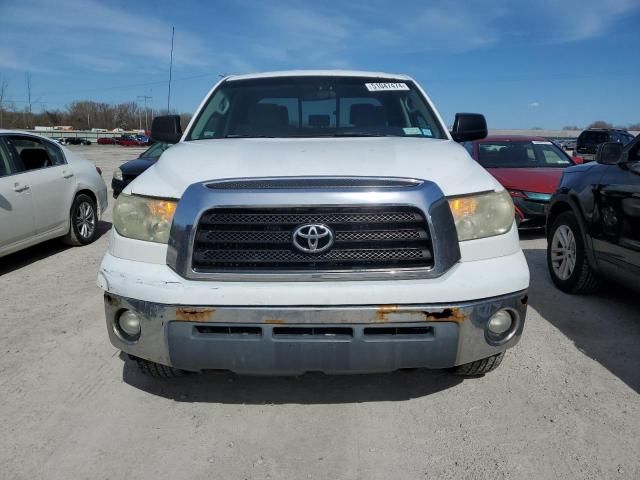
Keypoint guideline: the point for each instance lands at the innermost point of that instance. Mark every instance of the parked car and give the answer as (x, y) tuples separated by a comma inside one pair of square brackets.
[(315, 221), (566, 143), (144, 139), (129, 141), (76, 141), (588, 141), (528, 167), (106, 141), (128, 171), (593, 227), (46, 191)]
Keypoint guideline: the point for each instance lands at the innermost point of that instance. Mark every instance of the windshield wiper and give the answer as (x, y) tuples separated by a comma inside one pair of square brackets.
[(358, 134)]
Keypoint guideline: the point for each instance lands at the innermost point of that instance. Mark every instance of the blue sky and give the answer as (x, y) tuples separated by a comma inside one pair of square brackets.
[(521, 63)]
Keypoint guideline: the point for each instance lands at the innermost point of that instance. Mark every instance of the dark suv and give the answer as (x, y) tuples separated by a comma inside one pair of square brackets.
[(588, 141), (593, 222)]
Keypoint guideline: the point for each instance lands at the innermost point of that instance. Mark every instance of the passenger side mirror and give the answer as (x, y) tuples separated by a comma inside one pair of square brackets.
[(609, 153), (166, 129), (577, 159), (468, 127)]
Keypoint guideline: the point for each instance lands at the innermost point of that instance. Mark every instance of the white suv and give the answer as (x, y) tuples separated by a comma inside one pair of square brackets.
[(315, 221)]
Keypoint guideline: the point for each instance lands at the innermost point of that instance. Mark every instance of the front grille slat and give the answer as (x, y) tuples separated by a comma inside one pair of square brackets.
[(261, 240), (301, 218), (265, 236)]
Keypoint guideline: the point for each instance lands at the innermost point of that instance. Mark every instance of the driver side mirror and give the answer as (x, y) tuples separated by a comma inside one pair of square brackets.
[(609, 153), (166, 129), (468, 127)]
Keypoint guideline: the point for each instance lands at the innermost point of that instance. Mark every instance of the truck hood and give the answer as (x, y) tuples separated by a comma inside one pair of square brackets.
[(442, 161)]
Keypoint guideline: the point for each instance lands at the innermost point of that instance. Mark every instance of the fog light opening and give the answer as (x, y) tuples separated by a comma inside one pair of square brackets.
[(127, 325), (501, 326)]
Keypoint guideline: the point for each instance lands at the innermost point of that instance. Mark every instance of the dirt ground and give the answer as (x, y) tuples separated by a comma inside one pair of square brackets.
[(564, 403)]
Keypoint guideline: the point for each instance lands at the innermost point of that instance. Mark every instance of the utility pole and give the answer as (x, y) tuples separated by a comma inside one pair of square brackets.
[(173, 30), (146, 121), (3, 90), (27, 79)]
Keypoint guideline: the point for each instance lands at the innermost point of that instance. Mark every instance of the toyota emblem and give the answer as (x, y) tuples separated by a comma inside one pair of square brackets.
[(313, 238)]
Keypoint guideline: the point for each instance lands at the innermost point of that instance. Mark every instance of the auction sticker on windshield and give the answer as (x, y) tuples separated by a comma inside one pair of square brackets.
[(380, 87)]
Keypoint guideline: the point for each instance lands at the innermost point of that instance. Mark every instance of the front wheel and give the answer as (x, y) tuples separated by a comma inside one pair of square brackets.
[(84, 221), (157, 370), (479, 367), (566, 257)]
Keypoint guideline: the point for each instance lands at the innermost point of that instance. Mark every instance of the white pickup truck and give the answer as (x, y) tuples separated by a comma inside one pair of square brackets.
[(315, 221)]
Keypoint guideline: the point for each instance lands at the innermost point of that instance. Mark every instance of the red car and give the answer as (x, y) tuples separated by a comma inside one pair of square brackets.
[(528, 167), (106, 141), (129, 141)]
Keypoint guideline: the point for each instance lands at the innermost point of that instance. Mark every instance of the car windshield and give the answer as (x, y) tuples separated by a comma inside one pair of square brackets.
[(155, 150), (592, 138), (329, 106), (522, 154)]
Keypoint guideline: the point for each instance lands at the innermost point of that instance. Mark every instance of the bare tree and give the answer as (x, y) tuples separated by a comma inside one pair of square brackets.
[(600, 124)]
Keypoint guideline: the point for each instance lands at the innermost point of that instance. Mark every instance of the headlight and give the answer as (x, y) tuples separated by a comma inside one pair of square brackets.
[(483, 215), (117, 174), (144, 218)]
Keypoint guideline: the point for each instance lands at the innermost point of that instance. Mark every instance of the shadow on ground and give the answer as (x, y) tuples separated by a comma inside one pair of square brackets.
[(531, 234), (38, 252), (604, 326), (312, 388)]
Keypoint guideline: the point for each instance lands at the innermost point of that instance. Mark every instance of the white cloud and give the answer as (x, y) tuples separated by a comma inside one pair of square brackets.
[(84, 29), (534, 104), (589, 18)]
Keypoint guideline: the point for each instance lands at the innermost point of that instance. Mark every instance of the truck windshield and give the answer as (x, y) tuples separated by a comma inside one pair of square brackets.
[(331, 106)]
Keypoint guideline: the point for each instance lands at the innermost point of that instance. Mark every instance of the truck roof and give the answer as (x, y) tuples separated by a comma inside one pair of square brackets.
[(320, 73)]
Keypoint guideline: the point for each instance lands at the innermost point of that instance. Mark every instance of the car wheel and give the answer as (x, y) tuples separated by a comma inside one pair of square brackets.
[(157, 370), (479, 367), (84, 221), (566, 257)]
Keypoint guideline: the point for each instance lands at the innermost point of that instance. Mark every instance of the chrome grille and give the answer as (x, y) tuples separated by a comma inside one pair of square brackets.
[(261, 240)]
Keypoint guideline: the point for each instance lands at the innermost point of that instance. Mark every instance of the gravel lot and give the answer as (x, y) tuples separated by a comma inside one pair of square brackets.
[(564, 403)]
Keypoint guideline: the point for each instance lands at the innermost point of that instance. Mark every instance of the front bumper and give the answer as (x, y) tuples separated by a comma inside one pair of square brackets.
[(532, 213), (331, 339)]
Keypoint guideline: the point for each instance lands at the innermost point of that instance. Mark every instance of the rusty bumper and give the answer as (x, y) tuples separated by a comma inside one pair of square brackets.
[(294, 339)]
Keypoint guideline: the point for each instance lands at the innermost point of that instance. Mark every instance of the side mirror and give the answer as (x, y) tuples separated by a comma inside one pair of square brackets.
[(577, 159), (468, 127), (166, 129), (609, 153)]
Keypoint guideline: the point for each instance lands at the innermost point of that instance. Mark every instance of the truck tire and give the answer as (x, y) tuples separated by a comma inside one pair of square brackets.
[(83, 219), (566, 243), (479, 367), (157, 370)]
